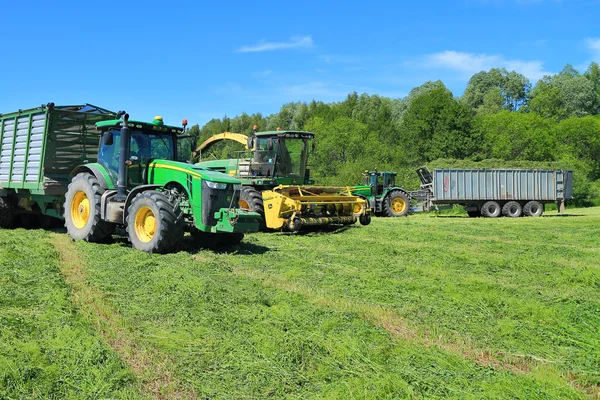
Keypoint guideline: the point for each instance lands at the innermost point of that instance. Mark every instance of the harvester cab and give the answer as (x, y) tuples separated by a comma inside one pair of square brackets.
[(279, 158), (384, 197), (142, 182), (276, 182)]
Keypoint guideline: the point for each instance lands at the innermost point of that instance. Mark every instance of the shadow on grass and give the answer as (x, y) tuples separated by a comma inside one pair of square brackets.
[(317, 230), (563, 215)]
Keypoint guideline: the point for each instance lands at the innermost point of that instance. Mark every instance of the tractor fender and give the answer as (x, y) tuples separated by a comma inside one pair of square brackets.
[(394, 188), (134, 192), (98, 171)]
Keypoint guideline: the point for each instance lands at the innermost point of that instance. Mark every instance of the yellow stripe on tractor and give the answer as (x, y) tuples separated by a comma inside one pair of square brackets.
[(292, 207)]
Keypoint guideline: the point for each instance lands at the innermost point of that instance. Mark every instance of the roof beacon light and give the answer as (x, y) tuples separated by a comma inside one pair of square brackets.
[(158, 120), (184, 123)]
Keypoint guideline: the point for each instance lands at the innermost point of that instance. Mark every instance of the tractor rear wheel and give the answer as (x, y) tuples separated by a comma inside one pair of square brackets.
[(154, 224), (512, 209), (396, 204), (491, 209), (7, 213), (251, 199), (82, 210), (533, 209)]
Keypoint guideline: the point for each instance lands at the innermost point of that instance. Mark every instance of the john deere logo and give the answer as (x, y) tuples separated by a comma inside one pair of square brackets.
[(228, 198)]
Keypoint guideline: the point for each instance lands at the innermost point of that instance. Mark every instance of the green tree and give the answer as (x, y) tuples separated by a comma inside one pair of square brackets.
[(516, 136), (437, 126), (513, 88)]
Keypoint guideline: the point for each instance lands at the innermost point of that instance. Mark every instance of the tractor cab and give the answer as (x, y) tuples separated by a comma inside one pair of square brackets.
[(379, 181), (148, 141)]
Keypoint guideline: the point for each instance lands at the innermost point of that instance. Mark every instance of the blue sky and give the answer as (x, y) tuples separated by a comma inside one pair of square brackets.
[(201, 60)]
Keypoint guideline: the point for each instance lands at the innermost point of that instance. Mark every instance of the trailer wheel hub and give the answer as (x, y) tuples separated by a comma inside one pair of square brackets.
[(145, 224), (398, 205), (80, 209)]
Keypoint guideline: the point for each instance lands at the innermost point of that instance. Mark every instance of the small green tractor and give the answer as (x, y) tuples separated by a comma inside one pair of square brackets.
[(383, 196), (133, 175)]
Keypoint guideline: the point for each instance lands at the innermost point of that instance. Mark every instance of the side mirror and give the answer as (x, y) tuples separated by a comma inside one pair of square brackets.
[(249, 143), (107, 138)]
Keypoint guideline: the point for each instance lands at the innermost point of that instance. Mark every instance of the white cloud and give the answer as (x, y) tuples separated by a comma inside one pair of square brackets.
[(294, 42), (593, 45), (471, 63)]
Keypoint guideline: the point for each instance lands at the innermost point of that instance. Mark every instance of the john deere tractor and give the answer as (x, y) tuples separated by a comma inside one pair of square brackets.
[(276, 182), (55, 164), (384, 197)]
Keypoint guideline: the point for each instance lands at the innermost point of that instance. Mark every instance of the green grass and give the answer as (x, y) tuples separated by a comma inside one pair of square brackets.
[(47, 350), (420, 307)]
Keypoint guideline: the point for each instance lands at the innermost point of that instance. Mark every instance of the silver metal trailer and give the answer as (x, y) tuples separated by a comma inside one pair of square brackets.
[(495, 192)]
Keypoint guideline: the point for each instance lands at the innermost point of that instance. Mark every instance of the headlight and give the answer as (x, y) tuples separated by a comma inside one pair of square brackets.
[(237, 187), (216, 185)]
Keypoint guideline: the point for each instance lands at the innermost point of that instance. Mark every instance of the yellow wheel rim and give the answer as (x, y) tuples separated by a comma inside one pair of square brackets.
[(80, 209), (398, 205), (145, 224)]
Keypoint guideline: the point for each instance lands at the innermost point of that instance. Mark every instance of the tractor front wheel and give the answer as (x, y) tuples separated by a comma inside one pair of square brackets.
[(396, 204), (82, 210), (154, 224)]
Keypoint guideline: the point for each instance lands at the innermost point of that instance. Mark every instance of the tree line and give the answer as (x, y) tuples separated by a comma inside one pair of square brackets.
[(500, 121)]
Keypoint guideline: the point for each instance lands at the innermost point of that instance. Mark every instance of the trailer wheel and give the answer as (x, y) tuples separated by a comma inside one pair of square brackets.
[(154, 224), (491, 209), (533, 209), (7, 213), (396, 204), (512, 209), (251, 199), (82, 210)]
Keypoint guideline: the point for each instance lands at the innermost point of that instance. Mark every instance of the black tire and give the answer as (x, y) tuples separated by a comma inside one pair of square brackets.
[(7, 213), (154, 224), (533, 209), (512, 209), (294, 224), (252, 200), (474, 214), (83, 221), (396, 204), (491, 209), (365, 219)]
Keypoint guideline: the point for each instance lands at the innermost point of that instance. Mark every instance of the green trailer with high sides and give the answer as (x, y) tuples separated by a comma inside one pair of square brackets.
[(98, 170)]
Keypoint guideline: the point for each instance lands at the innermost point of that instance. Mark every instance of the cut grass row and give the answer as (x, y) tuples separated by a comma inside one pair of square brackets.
[(418, 307)]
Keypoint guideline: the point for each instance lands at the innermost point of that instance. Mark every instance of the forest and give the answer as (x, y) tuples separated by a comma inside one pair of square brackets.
[(501, 120)]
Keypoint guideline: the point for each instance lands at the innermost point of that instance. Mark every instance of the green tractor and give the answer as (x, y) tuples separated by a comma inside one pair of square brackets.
[(138, 179), (384, 197)]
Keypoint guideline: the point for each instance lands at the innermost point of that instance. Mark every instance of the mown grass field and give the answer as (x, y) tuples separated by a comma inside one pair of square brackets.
[(420, 307)]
